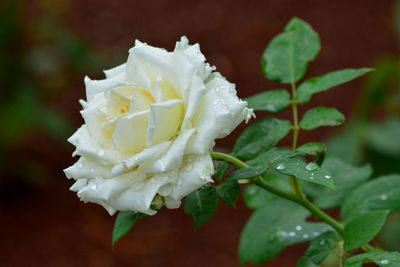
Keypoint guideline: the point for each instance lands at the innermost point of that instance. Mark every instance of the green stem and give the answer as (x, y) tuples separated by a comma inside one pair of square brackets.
[(296, 188), (228, 158), (295, 198), (302, 200)]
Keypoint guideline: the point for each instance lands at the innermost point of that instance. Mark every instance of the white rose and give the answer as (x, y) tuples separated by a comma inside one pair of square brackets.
[(149, 128)]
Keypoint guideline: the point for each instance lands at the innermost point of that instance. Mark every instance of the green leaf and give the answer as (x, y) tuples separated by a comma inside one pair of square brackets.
[(272, 101), (310, 172), (382, 193), (287, 55), (247, 173), (319, 249), (271, 156), (201, 205), (123, 224), (312, 149), (256, 197), (384, 137), (229, 192), (278, 224), (306, 262), (347, 178), (381, 258), (221, 170), (260, 137), (321, 116), (363, 228), (327, 81), (348, 144), (322, 246)]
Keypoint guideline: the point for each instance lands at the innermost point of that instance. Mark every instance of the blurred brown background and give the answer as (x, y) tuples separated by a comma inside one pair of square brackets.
[(46, 49)]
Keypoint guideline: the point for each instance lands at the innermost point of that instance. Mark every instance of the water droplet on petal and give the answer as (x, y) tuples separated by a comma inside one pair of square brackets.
[(311, 166), (92, 170), (100, 152), (280, 166), (93, 186)]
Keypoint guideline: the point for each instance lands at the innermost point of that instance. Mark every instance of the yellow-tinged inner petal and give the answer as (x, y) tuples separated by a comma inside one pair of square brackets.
[(165, 120), (130, 132)]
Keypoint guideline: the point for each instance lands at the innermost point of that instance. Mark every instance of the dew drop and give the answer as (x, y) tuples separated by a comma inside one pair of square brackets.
[(383, 197), (305, 236), (292, 234), (100, 152), (311, 166), (384, 262), (283, 233), (92, 170), (327, 176), (80, 165), (93, 187), (280, 166), (298, 227), (322, 242), (311, 178), (215, 102)]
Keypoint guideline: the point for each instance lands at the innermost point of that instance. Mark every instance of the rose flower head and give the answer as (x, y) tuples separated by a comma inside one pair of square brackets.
[(149, 129)]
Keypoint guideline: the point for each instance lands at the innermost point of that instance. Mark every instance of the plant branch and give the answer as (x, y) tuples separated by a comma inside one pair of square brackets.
[(295, 198), (259, 181), (294, 183)]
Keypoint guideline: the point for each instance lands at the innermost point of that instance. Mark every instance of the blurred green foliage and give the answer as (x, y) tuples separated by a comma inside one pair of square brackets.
[(373, 134), (41, 60)]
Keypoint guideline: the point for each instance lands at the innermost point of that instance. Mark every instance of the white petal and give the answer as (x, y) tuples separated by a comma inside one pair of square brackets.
[(171, 203), (210, 119), (84, 168), (115, 71), (227, 93), (86, 147), (94, 119), (165, 119), (94, 87), (196, 173), (197, 90), (173, 158), (150, 153), (153, 61), (105, 189), (130, 133), (78, 185), (141, 100), (136, 75)]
